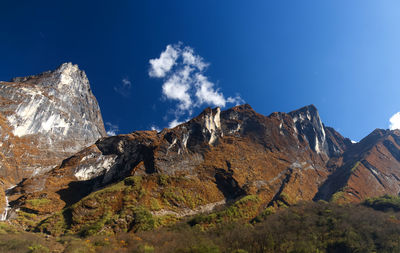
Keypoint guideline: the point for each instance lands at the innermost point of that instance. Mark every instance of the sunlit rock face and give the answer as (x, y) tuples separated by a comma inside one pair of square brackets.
[(229, 153), (44, 119), (370, 168), (221, 156)]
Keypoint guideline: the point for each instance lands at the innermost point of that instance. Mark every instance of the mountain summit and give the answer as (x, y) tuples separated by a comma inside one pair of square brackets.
[(44, 119), (70, 177), (213, 159)]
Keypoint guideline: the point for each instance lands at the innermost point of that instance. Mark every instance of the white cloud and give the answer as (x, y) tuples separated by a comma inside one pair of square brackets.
[(177, 86), (156, 128), (237, 100), (182, 71), (206, 94), (191, 59), (174, 123), (124, 88), (395, 121), (112, 129), (126, 82), (160, 66)]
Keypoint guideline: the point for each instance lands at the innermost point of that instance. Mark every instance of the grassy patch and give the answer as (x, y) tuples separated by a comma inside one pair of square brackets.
[(244, 209), (95, 227), (384, 203), (354, 167), (38, 202), (55, 225)]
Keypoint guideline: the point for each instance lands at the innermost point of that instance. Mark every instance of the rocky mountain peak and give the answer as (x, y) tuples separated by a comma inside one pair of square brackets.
[(67, 77), (310, 127), (70, 76), (213, 159), (211, 122), (54, 112)]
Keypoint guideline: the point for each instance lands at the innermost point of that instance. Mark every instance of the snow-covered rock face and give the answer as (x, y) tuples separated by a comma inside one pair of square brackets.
[(93, 166), (308, 126), (212, 123), (47, 106), (46, 117)]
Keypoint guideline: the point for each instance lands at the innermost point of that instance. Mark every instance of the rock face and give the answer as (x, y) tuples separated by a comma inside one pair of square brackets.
[(214, 158), (369, 168), (44, 119)]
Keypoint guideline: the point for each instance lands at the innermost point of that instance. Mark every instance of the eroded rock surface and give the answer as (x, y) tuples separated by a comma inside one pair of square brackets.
[(44, 119), (216, 157)]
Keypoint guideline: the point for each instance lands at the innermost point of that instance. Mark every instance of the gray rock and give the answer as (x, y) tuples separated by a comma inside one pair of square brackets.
[(44, 119)]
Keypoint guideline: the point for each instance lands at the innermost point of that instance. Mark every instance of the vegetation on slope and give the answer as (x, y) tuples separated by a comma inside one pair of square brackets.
[(242, 227), (384, 203)]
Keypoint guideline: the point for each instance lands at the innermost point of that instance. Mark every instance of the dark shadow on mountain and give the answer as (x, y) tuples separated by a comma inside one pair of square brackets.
[(76, 191), (227, 184)]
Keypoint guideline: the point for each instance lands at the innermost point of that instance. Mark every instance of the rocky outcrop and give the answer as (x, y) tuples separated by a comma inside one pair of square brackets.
[(211, 160), (370, 168), (217, 157), (44, 119)]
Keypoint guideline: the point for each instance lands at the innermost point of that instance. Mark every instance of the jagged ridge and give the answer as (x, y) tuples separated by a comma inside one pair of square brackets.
[(44, 119), (212, 160)]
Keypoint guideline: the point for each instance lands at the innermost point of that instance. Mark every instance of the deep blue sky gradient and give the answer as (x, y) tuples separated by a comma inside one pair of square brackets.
[(343, 56)]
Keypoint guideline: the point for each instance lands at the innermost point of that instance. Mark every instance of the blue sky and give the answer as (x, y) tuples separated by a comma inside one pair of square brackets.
[(342, 56)]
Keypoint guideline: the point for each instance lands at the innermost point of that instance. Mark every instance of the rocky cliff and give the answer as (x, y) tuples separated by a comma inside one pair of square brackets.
[(369, 168), (211, 160), (44, 119), (237, 158)]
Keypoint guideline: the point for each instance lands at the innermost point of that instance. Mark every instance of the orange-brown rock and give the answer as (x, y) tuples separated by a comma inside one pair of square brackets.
[(209, 161), (44, 119), (220, 156), (370, 168)]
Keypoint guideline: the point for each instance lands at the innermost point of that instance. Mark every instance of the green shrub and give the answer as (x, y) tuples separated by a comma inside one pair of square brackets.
[(163, 179), (135, 181), (98, 225), (143, 219), (37, 248), (384, 203), (38, 202)]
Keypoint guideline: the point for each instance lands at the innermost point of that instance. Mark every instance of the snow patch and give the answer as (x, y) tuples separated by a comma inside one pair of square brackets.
[(213, 123), (172, 144), (308, 115), (30, 118), (26, 114), (89, 171), (66, 75), (55, 121), (185, 139), (317, 145), (32, 92)]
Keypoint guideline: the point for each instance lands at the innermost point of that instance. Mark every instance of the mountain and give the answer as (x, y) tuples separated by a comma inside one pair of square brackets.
[(210, 161), (369, 168), (72, 178), (44, 119)]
